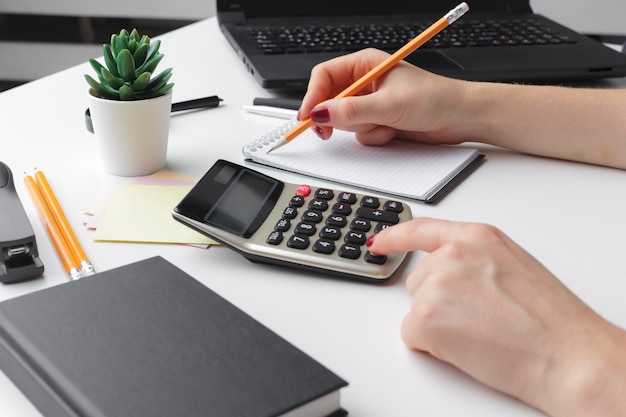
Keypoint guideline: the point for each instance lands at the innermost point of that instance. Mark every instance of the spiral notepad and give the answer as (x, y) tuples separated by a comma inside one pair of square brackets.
[(400, 168)]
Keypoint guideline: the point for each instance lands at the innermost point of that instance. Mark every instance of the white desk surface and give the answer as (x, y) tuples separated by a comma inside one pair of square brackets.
[(569, 215)]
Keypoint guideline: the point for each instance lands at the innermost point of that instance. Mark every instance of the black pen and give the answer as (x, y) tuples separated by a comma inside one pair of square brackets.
[(283, 103), (198, 103)]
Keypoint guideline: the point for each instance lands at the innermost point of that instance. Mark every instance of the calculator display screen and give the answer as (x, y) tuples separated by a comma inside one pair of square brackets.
[(242, 202)]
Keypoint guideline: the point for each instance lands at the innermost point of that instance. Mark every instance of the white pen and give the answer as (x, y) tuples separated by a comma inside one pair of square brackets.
[(271, 111)]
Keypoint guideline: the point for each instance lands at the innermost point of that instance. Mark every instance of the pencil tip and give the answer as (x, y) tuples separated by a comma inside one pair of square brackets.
[(278, 144)]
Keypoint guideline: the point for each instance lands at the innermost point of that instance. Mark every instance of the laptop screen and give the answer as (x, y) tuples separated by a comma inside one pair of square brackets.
[(290, 8)]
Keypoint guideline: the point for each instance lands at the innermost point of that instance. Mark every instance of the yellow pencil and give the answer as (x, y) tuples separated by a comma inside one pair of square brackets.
[(383, 67), (66, 230), (67, 259)]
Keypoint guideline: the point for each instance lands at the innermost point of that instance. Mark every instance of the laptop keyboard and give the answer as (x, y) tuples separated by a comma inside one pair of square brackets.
[(390, 37)]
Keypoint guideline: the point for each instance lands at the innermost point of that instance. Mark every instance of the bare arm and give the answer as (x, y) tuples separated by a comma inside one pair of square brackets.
[(586, 125), (483, 304)]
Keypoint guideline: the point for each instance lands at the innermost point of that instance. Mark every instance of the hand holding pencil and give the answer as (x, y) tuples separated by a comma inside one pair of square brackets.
[(383, 67)]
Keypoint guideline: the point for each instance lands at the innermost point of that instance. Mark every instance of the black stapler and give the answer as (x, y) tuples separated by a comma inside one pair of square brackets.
[(19, 259)]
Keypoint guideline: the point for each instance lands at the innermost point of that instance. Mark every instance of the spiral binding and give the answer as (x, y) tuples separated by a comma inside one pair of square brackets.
[(270, 137)]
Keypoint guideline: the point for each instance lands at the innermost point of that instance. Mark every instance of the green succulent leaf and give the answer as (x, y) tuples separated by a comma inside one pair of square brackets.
[(126, 66), (154, 92), (134, 35), (112, 40), (150, 64), (126, 93), (95, 65), (141, 54), (110, 79), (165, 89), (117, 45), (103, 94), (154, 48), (160, 80), (101, 90), (92, 83), (141, 82), (109, 60), (132, 46)]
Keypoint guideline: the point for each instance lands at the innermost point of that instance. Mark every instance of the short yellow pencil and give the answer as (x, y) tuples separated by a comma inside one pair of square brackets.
[(66, 230), (67, 259)]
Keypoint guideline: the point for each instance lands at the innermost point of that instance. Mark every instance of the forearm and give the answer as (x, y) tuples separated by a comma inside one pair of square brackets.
[(590, 379), (581, 125)]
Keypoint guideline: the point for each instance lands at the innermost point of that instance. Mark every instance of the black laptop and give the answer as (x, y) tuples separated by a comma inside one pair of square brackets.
[(280, 41)]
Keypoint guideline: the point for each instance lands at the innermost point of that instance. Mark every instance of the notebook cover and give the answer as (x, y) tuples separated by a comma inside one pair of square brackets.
[(147, 339)]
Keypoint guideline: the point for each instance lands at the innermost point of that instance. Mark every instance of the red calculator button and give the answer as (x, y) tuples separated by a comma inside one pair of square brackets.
[(304, 190)]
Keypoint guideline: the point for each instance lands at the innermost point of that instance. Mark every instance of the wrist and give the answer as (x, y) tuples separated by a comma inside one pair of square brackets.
[(590, 380), (476, 110)]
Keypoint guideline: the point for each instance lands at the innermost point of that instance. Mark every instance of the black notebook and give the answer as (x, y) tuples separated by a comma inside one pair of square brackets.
[(147, 339), (280, 41)]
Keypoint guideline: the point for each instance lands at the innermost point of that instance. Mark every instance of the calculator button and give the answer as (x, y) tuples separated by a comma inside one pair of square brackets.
[(381, 226), (329, 232), (375, 259), (317, 204), (338, 220), (324, 193), (304, 228), (304, 190), (394, 206), (324, 246), (312, 216), (296, 201), (378, 215), (275, 238), (349, 251), (372, 202), (282, 225), (358, 238), (290, 213), (362, 225), (349, 198), (341, 208), (298, 242)]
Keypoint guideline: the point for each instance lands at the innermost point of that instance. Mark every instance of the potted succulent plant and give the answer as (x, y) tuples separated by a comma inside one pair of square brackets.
[(130, 107)]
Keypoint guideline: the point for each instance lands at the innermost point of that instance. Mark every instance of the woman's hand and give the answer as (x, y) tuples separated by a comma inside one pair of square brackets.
[(483, 304), (405, 102)]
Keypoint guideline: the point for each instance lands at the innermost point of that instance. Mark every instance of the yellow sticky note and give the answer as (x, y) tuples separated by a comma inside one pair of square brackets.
[(143, 213)]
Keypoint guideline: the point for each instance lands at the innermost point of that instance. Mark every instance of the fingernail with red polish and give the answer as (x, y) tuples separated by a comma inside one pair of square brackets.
[(320, 115), (370, 240), (298, 115), (319, 132)]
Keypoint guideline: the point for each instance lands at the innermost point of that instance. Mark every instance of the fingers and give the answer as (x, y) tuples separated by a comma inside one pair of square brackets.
[(356, 114), (331, 77), (425, 234)]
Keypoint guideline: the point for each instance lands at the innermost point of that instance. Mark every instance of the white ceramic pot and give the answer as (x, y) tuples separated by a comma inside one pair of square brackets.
[(131, 136)]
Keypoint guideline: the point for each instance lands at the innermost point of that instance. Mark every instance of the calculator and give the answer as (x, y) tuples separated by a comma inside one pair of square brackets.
[(296, 225)]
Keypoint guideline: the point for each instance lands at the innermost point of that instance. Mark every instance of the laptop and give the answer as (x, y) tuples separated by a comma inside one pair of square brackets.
[(280, 41)]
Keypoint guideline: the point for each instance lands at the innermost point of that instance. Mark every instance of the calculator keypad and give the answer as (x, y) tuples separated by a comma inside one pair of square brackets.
[(329, 222)]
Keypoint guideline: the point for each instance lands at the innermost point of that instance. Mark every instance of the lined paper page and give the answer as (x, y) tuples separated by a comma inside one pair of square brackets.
[(402, 168)]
